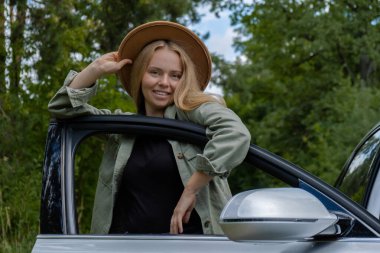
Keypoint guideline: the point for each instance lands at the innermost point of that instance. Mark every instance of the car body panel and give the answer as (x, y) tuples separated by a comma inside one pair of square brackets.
[(190, 244)]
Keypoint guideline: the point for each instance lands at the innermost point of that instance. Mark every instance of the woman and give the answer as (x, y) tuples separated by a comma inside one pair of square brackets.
[(154, 185)]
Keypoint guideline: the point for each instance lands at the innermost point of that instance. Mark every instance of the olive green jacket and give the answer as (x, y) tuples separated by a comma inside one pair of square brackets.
[(228, 145)]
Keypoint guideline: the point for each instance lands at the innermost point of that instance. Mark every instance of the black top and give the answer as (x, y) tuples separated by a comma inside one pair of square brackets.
[(150, 190)]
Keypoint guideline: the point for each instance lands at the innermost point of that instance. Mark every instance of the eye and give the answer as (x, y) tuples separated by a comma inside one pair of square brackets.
[(154, 72), (176, 76)]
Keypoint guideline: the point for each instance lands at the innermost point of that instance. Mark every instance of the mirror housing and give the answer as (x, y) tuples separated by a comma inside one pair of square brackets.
[(275, 214)]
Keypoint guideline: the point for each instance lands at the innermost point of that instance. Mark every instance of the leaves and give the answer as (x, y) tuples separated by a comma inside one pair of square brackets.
[(308, 86)]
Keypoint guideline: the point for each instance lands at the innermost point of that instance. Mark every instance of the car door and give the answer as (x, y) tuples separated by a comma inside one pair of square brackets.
[(360, 177), (65, 218)]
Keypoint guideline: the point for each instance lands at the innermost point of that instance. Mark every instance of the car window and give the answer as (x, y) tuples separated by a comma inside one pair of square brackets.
[(87, 161), (374, 201), (88, 158), (359, 170)]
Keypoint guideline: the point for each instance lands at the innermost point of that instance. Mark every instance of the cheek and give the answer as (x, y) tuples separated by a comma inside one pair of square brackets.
[(175, 85), (145, 82), (144, 90)]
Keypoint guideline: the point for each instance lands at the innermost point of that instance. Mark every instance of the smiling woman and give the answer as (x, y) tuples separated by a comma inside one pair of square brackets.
[(160, 80), (164, 67)]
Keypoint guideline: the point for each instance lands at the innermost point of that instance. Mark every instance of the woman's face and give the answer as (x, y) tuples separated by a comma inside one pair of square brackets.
[(160, 80)]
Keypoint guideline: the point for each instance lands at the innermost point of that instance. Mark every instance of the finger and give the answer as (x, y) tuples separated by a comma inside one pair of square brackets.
[(180, 227), (118, 57), (114, 56), (110, 55), (176, 224), (124, 62), (186, 217), (173, 226)]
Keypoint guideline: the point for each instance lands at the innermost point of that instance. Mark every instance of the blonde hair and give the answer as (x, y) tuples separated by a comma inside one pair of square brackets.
[(188, 94)]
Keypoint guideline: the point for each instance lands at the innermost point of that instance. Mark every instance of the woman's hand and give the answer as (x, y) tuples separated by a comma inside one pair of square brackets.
[(187, 201), (182, 211), (106, 64)]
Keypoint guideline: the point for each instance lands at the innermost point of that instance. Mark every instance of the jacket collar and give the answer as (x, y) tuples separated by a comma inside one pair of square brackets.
[(170, 112)]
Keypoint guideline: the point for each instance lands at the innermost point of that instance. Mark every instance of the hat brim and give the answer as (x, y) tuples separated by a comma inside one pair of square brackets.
[(142, 35)]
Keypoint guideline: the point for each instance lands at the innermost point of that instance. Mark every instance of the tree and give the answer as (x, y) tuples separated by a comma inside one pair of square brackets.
[(308, 81), (17, 19), (116, 18), (3, 52)]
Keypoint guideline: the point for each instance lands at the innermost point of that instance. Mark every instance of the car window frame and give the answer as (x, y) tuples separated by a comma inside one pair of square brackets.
[(373, 203), (75, 130), (373, 187)]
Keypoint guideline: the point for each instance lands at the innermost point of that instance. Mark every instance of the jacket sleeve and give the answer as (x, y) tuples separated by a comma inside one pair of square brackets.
[(229, 139), (69, 102)]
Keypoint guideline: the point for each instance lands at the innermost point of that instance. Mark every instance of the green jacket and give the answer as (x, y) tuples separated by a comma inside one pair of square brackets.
[(227, 147)]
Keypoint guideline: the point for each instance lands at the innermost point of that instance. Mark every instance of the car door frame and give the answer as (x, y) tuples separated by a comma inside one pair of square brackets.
[(69, 133), (371, 201)]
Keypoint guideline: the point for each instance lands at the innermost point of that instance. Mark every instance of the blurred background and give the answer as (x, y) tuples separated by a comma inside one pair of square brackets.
[(304, 76)]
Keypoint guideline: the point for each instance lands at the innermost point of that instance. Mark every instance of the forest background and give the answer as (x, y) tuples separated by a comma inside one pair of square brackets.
[(307, 82)]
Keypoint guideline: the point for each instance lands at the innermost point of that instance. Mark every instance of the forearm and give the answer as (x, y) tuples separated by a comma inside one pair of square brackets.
[(67, 103), (197, 181), (86, 78)]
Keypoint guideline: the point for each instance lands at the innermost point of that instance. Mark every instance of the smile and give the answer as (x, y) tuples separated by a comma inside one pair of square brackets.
[(161, 93)]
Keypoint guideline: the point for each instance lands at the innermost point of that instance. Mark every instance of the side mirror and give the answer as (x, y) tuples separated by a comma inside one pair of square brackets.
[(275, 214)]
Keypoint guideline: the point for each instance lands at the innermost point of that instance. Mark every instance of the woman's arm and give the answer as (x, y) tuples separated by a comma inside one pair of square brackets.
[(71, 99), (227, 147), (105, 64), (228, 138)]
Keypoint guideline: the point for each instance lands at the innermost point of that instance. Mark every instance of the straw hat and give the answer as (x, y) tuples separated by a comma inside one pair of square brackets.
[(144, 34)]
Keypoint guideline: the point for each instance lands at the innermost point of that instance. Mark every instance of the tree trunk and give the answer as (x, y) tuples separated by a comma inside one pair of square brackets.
[(17, 25), (3, 52)]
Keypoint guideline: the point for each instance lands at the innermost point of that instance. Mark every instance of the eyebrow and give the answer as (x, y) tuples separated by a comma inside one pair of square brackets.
[(154, 67)]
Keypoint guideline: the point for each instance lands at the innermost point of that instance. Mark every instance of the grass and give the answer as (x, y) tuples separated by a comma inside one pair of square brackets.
[(16, 235)]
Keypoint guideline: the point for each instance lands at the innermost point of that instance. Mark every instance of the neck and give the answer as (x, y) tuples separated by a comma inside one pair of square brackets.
[(159, 114)]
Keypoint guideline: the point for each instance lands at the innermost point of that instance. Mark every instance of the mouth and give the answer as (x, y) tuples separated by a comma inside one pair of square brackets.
[(161, 93)]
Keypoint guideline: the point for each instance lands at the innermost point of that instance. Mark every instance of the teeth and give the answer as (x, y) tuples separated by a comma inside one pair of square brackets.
[(161, 93)]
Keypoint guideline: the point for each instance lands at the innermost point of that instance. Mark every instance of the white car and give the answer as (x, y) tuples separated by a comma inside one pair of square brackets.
[(304, 214)]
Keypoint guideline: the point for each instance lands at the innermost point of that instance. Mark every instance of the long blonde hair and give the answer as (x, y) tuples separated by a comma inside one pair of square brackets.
[(188, 94)]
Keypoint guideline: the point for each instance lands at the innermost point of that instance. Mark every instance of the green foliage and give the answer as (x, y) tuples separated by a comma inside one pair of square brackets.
[(87, 162), (115, 19), (247, 177), (21, 153), (307, 84), (40, 41)]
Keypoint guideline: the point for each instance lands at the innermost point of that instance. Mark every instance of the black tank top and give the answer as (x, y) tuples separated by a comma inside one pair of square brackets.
[(150, 189)]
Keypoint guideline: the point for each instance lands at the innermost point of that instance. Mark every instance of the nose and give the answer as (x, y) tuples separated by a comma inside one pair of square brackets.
[(164, 80)]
